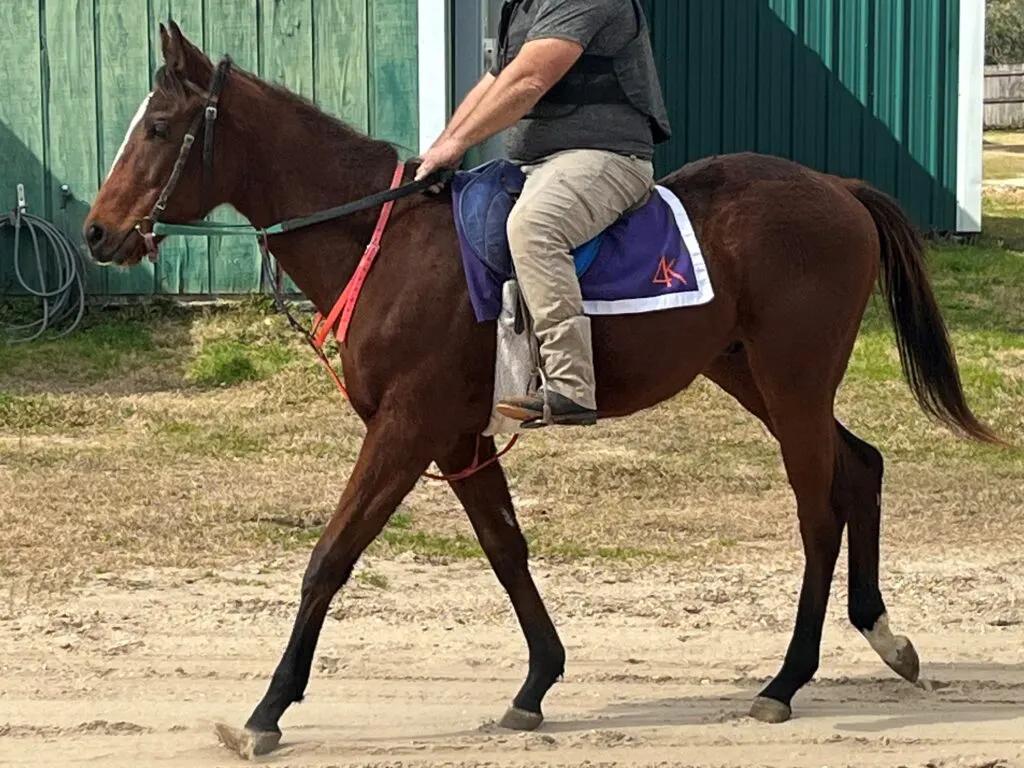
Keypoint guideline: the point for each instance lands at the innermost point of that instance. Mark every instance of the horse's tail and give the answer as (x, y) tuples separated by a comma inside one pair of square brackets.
[(928, 362)]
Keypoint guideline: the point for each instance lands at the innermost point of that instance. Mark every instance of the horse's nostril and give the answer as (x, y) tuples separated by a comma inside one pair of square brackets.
[(94, 235)]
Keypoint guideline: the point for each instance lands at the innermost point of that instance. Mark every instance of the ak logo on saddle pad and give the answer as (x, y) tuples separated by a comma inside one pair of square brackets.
[(647, 261), (666, 273)]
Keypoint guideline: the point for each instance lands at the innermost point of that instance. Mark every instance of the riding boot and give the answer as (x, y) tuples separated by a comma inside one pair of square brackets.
[(545, 408)]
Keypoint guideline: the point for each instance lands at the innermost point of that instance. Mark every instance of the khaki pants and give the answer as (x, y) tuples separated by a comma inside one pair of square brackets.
[(568, 199)]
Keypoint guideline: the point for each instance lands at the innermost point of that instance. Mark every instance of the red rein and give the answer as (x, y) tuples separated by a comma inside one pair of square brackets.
[(340, 316)]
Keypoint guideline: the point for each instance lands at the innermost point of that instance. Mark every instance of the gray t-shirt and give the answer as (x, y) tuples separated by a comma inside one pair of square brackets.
[(603, 28)]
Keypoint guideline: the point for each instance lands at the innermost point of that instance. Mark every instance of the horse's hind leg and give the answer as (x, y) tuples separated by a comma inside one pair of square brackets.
[(486, 498), (804, 427), (796, 404), (799, 413), (857, 496)]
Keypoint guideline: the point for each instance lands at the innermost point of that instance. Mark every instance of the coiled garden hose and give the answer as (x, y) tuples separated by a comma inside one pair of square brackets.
[(64, 303)]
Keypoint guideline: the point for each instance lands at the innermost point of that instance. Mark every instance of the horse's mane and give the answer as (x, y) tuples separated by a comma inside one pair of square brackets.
[(307, 111)]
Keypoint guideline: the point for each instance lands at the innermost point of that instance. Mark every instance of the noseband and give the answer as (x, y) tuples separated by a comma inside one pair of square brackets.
[(208, 116)]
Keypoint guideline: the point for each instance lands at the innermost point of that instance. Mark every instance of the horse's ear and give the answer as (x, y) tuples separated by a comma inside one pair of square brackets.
[(182, 56), (171, 43)]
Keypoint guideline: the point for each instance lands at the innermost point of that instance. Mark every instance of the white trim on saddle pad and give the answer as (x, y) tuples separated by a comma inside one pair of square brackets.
[(513, 363), (702, 295)]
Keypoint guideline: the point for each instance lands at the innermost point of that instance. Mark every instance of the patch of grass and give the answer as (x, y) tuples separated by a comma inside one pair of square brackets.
[(1005, 138), (402, 534), (566, 550), (979, 286), (88, 355), (226, 363), (1003, 225), (429, 545), (282, 537), (874, 358), (1003, 155), (186, 437), (397, 537), (1003, 165), (34, 413)]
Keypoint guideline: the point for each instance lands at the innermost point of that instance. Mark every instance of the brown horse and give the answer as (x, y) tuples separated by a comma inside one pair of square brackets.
[(793, 255)]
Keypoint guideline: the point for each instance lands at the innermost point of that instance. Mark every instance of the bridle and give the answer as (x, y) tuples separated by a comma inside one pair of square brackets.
[(207, 116)]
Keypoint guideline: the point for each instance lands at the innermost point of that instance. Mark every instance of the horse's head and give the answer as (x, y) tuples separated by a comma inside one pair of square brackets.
[(158, 174)]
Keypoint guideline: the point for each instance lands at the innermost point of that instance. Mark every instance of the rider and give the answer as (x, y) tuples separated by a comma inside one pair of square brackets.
[(576, 85)]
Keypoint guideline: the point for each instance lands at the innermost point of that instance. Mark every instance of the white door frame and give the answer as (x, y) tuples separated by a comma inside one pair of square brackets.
[(451, 61), (434, 59), (970, 116)]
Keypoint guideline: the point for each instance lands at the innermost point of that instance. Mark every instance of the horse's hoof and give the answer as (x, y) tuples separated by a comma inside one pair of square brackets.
[(907, 663), (516, 719), (769, 710), (247, 743)]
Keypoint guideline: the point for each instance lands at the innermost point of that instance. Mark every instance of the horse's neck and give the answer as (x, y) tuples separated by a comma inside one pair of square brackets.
[(293, 166)]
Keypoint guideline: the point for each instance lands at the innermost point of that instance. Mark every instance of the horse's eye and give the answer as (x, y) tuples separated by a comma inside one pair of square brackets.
[(159, 130)]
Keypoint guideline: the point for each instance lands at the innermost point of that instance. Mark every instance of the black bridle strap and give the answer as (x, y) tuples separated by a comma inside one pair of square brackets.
[(209, 115), (179, 167), (220, 75)]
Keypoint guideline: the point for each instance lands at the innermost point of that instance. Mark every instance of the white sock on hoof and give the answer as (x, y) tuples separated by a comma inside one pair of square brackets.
[(886, 645)]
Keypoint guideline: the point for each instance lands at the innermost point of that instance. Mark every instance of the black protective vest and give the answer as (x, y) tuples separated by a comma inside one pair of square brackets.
[(629, 77)]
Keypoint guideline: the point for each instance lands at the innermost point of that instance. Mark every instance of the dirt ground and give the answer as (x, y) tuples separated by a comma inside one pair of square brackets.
[(132, 670)]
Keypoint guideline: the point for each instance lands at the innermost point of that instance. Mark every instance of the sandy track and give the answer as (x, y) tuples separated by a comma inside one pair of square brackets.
[(132, 669)]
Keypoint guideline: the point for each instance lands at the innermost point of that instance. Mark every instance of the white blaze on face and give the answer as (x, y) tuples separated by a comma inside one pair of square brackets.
[(131, 127)]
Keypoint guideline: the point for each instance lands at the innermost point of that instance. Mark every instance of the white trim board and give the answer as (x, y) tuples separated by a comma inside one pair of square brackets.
[(970, 115), (433, 66)]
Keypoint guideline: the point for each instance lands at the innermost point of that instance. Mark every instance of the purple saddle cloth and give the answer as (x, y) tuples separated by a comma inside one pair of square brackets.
[(639, 264)]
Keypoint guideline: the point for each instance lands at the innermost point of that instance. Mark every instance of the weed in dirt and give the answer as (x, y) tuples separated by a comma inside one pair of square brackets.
[(400, 521), (372, 579)]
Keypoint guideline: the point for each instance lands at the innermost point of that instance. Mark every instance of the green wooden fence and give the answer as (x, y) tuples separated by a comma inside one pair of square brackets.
[(73, 72)]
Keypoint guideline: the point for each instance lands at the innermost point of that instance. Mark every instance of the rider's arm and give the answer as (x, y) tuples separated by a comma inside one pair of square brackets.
[(469, 103), (539, 65)]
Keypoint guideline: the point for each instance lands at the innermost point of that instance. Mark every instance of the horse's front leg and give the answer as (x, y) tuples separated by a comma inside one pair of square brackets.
[(390, 462)]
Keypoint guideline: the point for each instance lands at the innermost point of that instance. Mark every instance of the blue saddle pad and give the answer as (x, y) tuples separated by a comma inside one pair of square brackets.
[(483, 198), (648, 260)]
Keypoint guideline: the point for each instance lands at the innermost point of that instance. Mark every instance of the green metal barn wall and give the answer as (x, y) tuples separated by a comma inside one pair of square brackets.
[(73, 72), (864, 88)]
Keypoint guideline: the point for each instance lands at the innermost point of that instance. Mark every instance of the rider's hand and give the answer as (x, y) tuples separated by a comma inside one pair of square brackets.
[(445, 153)]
